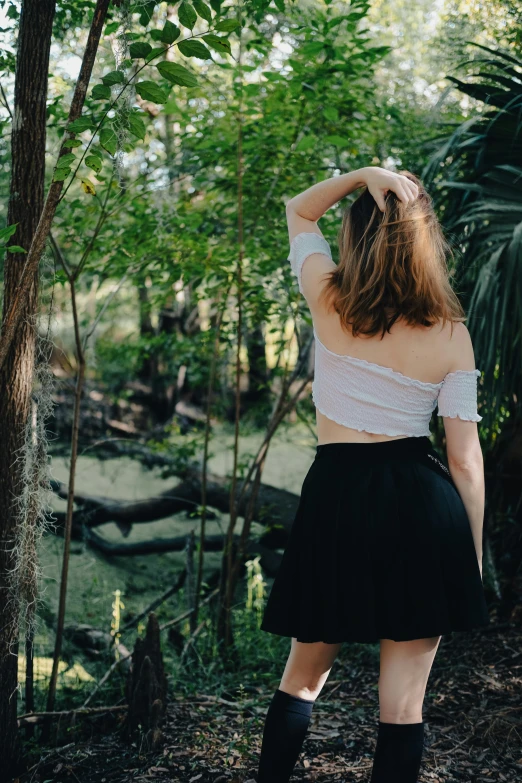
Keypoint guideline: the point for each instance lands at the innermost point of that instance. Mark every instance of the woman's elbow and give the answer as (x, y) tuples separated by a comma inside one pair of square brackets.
[(290, 206)]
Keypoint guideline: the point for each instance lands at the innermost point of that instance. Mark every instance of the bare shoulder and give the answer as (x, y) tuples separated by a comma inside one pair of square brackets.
[(458, 345)]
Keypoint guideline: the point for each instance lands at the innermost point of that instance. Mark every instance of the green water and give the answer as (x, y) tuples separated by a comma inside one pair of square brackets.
[(93, 577)]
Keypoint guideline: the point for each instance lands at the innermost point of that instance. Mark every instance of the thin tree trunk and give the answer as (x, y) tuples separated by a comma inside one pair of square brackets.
[(148, 370), (16, 375), (258, 390), (204, 467), (18, 303), (224, 621), (70, 502)]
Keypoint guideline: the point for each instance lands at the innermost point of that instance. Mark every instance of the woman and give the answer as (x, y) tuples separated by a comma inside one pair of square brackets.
[(386, 544)]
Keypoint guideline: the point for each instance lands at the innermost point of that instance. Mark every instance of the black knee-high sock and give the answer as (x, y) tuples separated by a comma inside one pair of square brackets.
[(398, 752), (286, 724)]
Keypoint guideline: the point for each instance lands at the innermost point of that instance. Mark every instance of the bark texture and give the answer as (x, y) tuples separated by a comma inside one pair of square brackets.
[(26, 200)]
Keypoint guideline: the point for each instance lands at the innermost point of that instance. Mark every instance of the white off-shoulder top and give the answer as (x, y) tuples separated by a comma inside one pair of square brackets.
[(366, 396)]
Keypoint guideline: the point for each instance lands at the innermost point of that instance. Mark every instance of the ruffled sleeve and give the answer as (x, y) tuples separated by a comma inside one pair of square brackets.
[(302, 246), (458, 395)]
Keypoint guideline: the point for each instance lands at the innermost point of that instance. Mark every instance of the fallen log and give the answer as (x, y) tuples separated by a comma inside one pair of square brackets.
[(274, 507), (270, 559)]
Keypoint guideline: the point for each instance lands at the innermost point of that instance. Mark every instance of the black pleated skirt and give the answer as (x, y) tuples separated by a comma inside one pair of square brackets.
[(380, 548)]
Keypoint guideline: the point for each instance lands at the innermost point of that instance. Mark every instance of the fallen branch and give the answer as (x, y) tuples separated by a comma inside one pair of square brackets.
[(105, 677), (157, 602), (41, 717), (183, 615)]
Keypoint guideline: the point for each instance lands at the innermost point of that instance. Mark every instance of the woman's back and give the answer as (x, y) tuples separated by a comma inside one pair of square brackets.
[(420, 352), (417, 353), (385, 386)]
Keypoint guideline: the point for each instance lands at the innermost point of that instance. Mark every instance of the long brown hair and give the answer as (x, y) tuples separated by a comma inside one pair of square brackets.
[(392, 264)]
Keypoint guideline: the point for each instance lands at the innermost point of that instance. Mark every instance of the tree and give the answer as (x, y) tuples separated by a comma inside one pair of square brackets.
[(16, 375)]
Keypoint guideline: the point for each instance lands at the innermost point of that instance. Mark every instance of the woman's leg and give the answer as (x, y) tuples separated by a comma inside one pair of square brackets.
[(404, 671), (290, 710)]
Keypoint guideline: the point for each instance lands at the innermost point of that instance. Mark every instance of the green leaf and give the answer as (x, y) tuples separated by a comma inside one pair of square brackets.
[(331, 113), (216, 5), (80, 125), (337, 141), (170, 32), (145, 12), (186, 15), (203, 10), (150, 91), (94, 162), (154, 53), (61, 174), (139, 49), (312, 47), (227, 25), (114, 77), (306, 143), (100, 92), (8, 231), (108, 140), (194, 49), (137, 126), (177, 74), (72, 143), (111, 28), (16, 249), (280, 5), (65, 160), (218, 44)]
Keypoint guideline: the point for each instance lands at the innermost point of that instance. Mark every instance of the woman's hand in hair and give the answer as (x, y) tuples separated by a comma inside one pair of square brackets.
[(380, 181)]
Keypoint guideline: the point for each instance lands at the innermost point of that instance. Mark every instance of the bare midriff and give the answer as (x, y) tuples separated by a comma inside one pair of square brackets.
[(329, 431)]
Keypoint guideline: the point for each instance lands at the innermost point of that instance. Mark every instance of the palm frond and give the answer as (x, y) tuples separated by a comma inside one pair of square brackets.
[(479, 186)]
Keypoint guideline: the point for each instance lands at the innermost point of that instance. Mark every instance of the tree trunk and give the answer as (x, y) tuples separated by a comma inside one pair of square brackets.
[(258, 390), (25, 206), (147, 688), (148, 370)]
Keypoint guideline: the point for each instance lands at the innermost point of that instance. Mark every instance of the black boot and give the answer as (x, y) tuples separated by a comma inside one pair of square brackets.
[(398, 753), (285, 728)]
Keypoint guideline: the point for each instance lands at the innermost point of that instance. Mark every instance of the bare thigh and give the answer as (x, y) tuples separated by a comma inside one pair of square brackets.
[(404, 671), (307, 668)]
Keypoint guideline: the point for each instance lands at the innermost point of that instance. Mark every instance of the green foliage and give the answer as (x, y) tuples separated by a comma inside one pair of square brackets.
[(186, 14), (151, 91), (108, 140), (177, 74), (203, 10), (194, 49), (219, 44), (139, 50), (482, 203), (170, 33)]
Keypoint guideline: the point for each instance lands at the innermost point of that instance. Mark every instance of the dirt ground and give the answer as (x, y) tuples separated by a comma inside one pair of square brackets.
[(473, 716)]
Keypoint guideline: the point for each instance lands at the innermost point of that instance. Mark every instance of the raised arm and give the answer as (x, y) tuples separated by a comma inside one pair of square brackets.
[(312, 203), (303, 212)]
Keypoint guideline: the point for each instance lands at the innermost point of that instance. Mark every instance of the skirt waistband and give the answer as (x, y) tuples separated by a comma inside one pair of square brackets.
[(384, 448)]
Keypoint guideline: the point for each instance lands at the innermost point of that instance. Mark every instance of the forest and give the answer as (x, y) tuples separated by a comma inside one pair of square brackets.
[(156, 359)]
